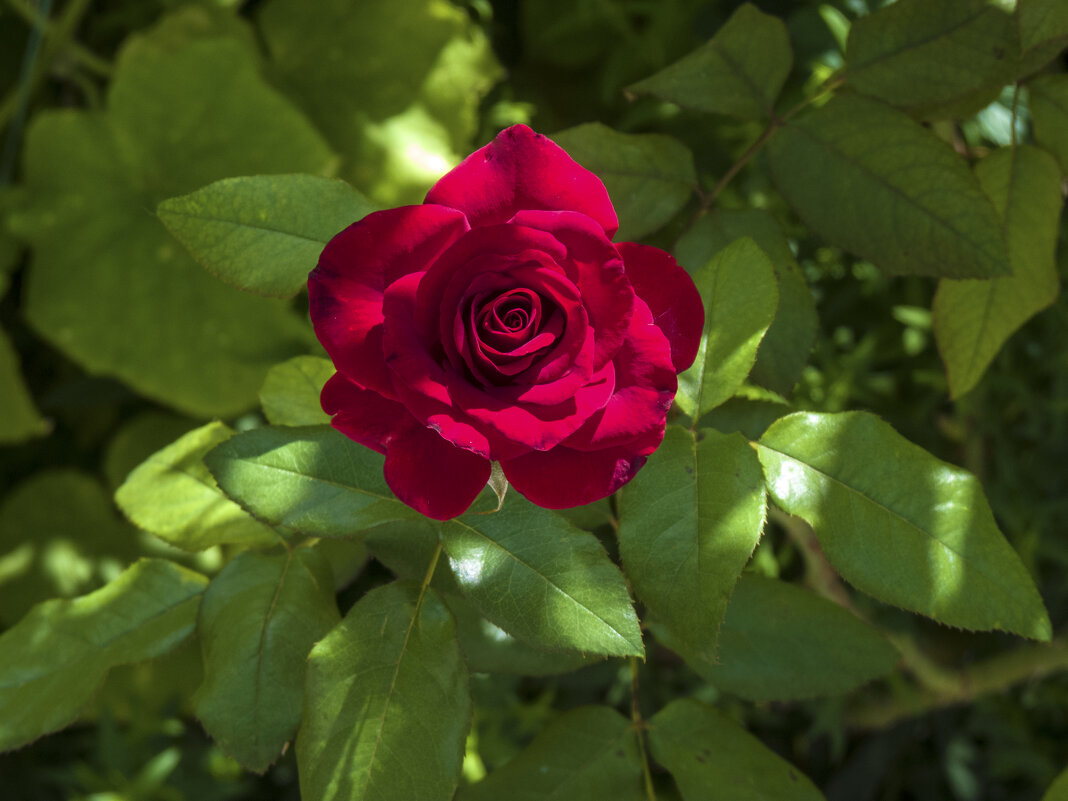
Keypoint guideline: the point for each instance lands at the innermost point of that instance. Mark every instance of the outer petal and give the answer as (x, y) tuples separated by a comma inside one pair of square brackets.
[(521, 169), (645, 387), (671, 296), (562, 477), (345, 289), (431, 475), (362, 414)]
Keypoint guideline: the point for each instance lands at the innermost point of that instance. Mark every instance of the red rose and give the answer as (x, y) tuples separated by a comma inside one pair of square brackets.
[(498, 321)]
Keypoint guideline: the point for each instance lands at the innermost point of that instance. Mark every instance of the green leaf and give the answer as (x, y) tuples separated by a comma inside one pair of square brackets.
[(140, 436), (919, 55), (713, 759), (1043, 29), (542, 580), (19, 418), (406, 548), (973, 319), (259, 619), (783, 352), (689, 522), (173, 496), (740, 295), (310, 479), (899, 524), (489, 649), (1049, 115), (780, 642), (648, 176), (1058, 791), (54, 659), (59, 536), (176, 120), (290, 394), (738, 72), (386, 703), (590, 752), (872, 180), (263, 233)]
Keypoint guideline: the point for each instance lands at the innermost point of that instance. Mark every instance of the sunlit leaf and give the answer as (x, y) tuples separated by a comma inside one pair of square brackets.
[(898, 523), (689, 522), (972, 319), (290, 394)]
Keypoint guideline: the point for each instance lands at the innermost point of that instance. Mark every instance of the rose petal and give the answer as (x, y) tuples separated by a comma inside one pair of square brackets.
[(345, 289), (598, 270), (362, 414), (518, 170), (645, 387), (562, 477), (671, 295), (431, 475)]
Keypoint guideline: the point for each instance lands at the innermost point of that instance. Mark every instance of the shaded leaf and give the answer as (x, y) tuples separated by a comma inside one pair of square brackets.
[(973, 319), (542, 580), (740, 294), (258, 620), (713, 759), (53, 659), (783, 352), (872, 180), (919, 55), (1049, 115), (386, 703), (589, 752), (689, 522), (1043, 29), (1058, 791), (176, 119), (904, 527), (738, 72), (19, 418), (648, 176), (263, 233), (310, 479), (173, 495), (780, 642), (290, 394)]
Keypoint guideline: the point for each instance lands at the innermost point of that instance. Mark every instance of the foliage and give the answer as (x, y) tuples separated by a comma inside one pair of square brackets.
[(817, 587)]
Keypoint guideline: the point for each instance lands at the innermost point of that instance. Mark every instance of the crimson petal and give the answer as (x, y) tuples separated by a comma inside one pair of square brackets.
[(431, 475), (521, 169), (562, 477), (345, 289), (362, 414), (671, 296)]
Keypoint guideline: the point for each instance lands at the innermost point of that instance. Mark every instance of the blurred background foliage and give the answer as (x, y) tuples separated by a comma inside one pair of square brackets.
[(117, 107)]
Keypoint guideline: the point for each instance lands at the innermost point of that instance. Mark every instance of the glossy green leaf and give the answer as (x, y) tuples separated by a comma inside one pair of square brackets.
[(869, 178), (263, 233), (290, 394), (140, 436), (176, 120), (712, 758), (258, 620), (19, 418), (53, 660), (648, 176), (173, 495), (920, 55), (590, 752), (972, 319), (311, 479), (780, 642), (489, 649), (406, 547), (1049, 115), (542, 580), (689, 522), (740, 295), (899, 524), (738, 72), (59, 537), (784, 350), (386, 703)]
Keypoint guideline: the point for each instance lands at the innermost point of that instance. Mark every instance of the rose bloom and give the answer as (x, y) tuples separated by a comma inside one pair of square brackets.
[(497, 321)]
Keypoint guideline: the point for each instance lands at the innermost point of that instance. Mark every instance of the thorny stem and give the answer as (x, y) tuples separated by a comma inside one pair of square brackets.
[(938, 686), (639, 730)]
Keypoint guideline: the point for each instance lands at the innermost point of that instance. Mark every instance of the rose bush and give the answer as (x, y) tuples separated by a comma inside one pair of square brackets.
[(497, 321)]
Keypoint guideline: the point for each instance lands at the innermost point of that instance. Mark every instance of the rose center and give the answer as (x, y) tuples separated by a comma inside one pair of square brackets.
[(510, 319)]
